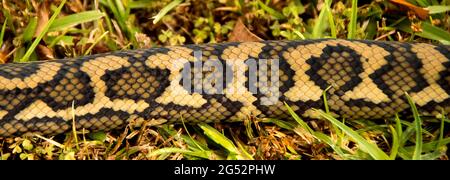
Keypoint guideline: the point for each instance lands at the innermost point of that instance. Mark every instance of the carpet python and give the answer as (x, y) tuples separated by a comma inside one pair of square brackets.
[(362, 80)]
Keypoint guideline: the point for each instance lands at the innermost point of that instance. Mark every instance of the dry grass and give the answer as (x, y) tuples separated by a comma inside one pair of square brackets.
[(31, 34)]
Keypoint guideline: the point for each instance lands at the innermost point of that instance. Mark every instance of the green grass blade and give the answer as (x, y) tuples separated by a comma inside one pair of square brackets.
[(121, 17), (299, 34), (189, 135), (121, 10), (67, 40), (219, 138), (395, 143), (432, 32), (430, 146), (191, 142), (423, 3), (404, 154), (44, 31), (113, 9), (201, 154), (95, 43), (30, 30), (272, 12), (326, 139), (331, 19), (438, 9), (18, 54), (398, 127), (2, 33), (431, 156), (366, 146), (371, 30), (441, 130), (282, 124), (325, 99), (8, 16), (243, 155), (428, 31), (140, 4), (371, 128), (320, 23), (406, 135), (99, 136), (418, 129), (299, 120), (353, 19), (165, 10), (327, 110), (75, 19)]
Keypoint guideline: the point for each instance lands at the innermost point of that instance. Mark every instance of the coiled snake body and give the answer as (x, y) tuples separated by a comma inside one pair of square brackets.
[(363, 79)]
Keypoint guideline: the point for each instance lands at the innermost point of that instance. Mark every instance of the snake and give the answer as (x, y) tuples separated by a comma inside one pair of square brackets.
[(224, 82)]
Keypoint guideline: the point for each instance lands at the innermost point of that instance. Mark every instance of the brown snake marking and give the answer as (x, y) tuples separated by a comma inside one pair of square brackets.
[(367, 78)]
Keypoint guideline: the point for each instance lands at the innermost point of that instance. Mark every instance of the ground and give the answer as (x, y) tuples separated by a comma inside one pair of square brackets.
[(44, 30)]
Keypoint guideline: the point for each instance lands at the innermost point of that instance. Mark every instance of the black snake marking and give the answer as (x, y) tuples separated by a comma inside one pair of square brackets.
[(368, 79)]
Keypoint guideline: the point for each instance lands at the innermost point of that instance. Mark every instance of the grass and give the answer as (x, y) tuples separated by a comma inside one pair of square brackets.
[(107, 25), (75, 19), (417, 128), (165, 10), (353, 20), (2, 33), (43, 32)]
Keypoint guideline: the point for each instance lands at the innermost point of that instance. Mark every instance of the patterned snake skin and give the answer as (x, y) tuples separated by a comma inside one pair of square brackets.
[(367, 79)]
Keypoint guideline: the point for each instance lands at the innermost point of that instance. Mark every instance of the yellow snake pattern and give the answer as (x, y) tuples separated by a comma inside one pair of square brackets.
[(366, 80)]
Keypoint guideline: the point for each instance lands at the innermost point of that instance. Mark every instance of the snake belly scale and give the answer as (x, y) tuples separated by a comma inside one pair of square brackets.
[(366, 80)]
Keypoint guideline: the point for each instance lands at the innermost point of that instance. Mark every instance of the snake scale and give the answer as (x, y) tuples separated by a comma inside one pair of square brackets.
[(362, 80)]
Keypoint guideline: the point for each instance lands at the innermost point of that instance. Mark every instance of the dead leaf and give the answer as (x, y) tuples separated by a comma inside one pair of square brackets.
[(242, 34), (3, 57), (100, 48), (5, 51), (120, 40), (227, 8), (44, 52), (420, 12), (43, 13), (143, 40), (75, 6)]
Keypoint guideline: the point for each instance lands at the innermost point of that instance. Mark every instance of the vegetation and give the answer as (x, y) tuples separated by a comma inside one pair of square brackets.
[(40, 29)]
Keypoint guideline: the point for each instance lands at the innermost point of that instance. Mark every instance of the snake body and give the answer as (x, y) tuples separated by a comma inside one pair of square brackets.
[(362, 80)]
